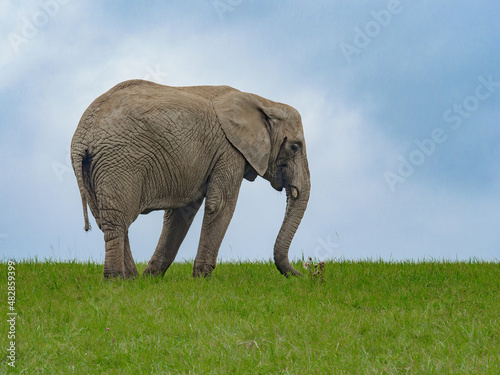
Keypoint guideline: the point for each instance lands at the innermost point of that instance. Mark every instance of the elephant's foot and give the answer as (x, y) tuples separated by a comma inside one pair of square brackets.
[(112, 274), (202, 270), (156, 267), (123, 275), (150, 271), (127, 273), (131, 274)]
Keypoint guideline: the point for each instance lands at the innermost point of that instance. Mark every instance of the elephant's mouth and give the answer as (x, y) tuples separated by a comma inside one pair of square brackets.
[(278, 181), (281, 183)]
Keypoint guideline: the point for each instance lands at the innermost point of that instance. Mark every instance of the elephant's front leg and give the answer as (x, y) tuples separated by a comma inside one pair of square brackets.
[(176, 223), (222, 194)]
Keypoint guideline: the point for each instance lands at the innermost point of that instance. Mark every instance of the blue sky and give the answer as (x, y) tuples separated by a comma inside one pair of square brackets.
[(399, 100)]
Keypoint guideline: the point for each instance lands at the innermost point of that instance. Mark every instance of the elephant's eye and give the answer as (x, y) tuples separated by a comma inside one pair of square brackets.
[(294, 147)]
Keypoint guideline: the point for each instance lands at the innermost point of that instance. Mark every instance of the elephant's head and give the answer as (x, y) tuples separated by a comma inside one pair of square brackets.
[(271, 138)]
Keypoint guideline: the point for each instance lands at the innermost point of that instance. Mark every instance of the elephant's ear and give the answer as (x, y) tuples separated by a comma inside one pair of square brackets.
[(247, 126)]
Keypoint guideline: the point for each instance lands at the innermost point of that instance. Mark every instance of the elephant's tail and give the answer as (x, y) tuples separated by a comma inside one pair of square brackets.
[(81, 167), (85, 214)]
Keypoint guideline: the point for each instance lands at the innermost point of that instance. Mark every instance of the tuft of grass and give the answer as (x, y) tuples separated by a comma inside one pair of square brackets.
[(315, 270), (367, 317)]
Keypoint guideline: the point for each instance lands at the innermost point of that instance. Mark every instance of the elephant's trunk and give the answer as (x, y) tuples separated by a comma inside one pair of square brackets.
[(297, 198)]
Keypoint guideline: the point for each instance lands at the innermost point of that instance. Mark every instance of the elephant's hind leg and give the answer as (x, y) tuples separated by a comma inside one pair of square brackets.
[(118, 261), (113, 259), (116, 211), (129, 264), (176, 223)]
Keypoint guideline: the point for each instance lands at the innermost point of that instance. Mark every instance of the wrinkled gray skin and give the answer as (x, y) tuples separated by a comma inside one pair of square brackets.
[(142, 147)]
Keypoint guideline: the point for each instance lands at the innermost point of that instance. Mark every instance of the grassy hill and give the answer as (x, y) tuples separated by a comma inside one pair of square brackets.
[(351, 318)]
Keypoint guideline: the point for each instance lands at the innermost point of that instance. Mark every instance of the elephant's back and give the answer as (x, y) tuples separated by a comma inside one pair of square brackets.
[(141, 105), (155, 133), (157, 104), (141, 115)]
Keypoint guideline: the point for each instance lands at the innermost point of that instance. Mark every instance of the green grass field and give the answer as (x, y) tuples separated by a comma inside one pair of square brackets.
[(355, 318)]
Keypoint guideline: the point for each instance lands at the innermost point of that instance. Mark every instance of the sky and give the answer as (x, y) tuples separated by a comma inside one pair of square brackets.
[(400, 102)]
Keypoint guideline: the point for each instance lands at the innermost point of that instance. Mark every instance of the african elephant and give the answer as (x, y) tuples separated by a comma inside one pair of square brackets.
[(142, 146)]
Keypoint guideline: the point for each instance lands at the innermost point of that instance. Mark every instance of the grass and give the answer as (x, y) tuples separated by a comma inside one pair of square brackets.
[(365, 317)]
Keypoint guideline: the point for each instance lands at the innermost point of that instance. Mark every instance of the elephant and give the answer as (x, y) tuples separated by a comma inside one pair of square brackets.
[(142, 146)]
